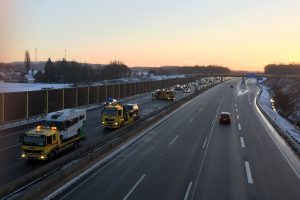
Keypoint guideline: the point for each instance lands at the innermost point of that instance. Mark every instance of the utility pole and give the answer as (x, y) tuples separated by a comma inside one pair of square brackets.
[(65, 54), (36, 55)]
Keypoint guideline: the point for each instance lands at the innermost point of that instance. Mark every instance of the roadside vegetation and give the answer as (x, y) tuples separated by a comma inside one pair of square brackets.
[(285, 91)]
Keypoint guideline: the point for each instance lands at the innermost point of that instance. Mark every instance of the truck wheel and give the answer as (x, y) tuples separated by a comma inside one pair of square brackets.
[(52, 155)]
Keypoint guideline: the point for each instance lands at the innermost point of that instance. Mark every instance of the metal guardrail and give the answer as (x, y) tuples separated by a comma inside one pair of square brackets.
[(290, 140)]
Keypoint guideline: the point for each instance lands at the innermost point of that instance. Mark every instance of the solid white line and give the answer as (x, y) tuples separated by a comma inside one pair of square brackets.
[(191, 119), (186, 196), (23, 131), (203, 146), (237, 116), (174, 140), (133, 188), (242, 142), (10, 147), (248, 172), (239, 126)]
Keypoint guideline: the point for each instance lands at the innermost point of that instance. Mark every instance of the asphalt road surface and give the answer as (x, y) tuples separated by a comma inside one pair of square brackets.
[(13, 167), (191, 156)]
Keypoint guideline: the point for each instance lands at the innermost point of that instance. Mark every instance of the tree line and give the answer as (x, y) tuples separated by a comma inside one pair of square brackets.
[(73, 72), (283, 69), (211, 69)]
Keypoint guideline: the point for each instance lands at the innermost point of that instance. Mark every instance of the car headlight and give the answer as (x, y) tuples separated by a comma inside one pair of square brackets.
[(23, 155), (103, 122), (42, 157), (116, 123)]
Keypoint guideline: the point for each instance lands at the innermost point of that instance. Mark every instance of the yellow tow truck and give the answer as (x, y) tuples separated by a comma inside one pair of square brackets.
[(164, 94), (115, 115), (60, 131)]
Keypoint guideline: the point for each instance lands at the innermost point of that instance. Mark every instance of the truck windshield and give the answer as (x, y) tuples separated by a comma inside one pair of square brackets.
[(58, 125), (34, 140), (111, 112)]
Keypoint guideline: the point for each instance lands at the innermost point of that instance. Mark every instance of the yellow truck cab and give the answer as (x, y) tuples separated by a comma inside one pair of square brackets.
[(61, 130), (115, 115), (165, 95)]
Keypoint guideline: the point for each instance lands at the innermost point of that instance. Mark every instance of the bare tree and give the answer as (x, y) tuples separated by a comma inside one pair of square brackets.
[(27, 61)]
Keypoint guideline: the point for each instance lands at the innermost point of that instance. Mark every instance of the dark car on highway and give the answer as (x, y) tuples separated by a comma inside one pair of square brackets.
[(225, 118)]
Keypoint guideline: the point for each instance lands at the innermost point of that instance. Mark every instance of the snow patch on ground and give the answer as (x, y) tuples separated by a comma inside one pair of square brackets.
[(20, 87), (283, 123)]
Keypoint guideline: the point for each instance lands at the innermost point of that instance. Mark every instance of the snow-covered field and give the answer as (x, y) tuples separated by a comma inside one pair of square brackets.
[(284, 124), (19, 87)]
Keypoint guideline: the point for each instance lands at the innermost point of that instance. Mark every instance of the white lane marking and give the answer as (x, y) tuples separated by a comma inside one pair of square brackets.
[(248, 172), (237, 116), (239, 126), (203, 146), (213, 121), (4, 136), (191, 119), (111, 156), (205, 152), (173, 140), (186, 196), (236, 105), (10, 147), (242, 142), (236, 110), (97, 127), (133, 188)]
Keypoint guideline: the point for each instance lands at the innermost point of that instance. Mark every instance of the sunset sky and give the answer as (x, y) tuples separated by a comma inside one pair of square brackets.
[(240, 34)]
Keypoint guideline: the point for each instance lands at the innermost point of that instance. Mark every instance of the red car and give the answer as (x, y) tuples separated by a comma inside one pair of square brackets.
[(225, 118)]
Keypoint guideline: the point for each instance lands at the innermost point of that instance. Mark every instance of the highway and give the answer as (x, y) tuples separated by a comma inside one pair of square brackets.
[(13, 167), (190, 156)]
